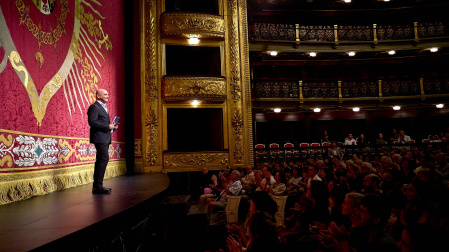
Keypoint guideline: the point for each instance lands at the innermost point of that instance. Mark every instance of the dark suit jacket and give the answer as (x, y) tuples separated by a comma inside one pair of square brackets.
[(99, 124)]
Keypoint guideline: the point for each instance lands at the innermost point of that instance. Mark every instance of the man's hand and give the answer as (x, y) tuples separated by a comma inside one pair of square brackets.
[(113, 126)]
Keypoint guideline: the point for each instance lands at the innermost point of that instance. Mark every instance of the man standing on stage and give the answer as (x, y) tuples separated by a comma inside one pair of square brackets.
[(100, 135)]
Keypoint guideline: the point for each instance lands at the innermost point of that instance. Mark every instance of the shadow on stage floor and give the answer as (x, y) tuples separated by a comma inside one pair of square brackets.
[(76, 220)]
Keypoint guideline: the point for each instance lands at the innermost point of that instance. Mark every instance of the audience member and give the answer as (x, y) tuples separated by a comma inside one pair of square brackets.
[(394, 136), (403, 138), (232, 187), (371, 185), (380, 140), (350, 140), (249, 180), (335, 151), (362, 141), (279, 187)]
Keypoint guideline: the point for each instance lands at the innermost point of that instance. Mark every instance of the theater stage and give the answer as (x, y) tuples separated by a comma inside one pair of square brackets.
[(76, 220)]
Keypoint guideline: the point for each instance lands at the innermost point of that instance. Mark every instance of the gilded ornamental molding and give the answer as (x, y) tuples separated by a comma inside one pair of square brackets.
[(186, 24), (150, 109), (193, 160), (187, 88)]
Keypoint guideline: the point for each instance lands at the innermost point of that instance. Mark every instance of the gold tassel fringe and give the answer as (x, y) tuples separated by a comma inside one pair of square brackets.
[(19, 186)]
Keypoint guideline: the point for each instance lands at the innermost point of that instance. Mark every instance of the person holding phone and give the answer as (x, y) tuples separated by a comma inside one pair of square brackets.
[(100, 135)]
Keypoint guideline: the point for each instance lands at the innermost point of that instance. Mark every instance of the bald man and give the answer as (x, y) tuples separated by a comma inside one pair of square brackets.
[(100, 135)]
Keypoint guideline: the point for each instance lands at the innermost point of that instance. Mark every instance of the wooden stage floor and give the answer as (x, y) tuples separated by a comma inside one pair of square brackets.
[(75, 217)]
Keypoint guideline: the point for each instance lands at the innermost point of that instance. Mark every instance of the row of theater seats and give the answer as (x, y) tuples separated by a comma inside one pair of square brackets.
[(275, 147), (289, 150)]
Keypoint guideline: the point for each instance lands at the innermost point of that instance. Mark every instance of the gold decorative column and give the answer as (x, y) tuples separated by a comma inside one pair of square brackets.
[(151, 135), (228, 30), (246, 83)]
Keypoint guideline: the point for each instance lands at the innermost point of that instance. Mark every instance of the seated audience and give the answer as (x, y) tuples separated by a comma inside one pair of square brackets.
[(262, 235), (278, 188), (249, 180), (335, 151), (232, 187), (403, 138), (380, 140), (350, 140)]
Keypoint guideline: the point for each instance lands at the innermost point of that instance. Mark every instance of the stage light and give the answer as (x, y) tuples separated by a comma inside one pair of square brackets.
[(356, 109), (273, 53), (312, 54), (397, 108), (195, 103), (434, 49), (347, 1), (194, 40), (440, 105), (351, 54), (386, 0), (277, 110), (316, 110), (392, 52)]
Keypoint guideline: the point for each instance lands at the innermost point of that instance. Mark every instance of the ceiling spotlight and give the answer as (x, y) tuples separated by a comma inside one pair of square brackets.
[(312, 54), (277, 110), (347, 1), (273, 53), (194, 40), (397, 108), (434, 49), (440, 105), (351, 54), (356, 109), (392, 52), (316, 110), (386, 0), (195, 103)]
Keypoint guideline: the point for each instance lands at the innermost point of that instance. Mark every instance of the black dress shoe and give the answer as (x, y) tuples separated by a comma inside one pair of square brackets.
[(100, 190)]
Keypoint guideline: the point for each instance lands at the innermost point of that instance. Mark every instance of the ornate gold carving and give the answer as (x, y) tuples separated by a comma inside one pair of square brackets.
[(187, 88), (151, 124), (151, 87), (235, 85), (246, 82), (192, 23), (138, 147), (177, 160)]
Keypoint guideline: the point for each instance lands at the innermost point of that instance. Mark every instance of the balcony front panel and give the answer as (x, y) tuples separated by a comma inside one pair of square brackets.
[(192, 24), (194, 88)]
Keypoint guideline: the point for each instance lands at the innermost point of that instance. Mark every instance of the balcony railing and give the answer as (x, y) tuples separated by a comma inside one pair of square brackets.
[(351, 88), (349, 33)]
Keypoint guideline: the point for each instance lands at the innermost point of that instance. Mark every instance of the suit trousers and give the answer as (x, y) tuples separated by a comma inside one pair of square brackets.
[(100, 163)]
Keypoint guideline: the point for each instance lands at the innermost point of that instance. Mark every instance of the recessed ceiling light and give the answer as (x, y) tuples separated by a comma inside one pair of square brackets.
[(195, 103), (194, 40), (316, 110), (356, 109), (397, 108), (440, 105), (277, 110), (351, 54), (273, 53), (434, 49), (312, 54), (392, 52)]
